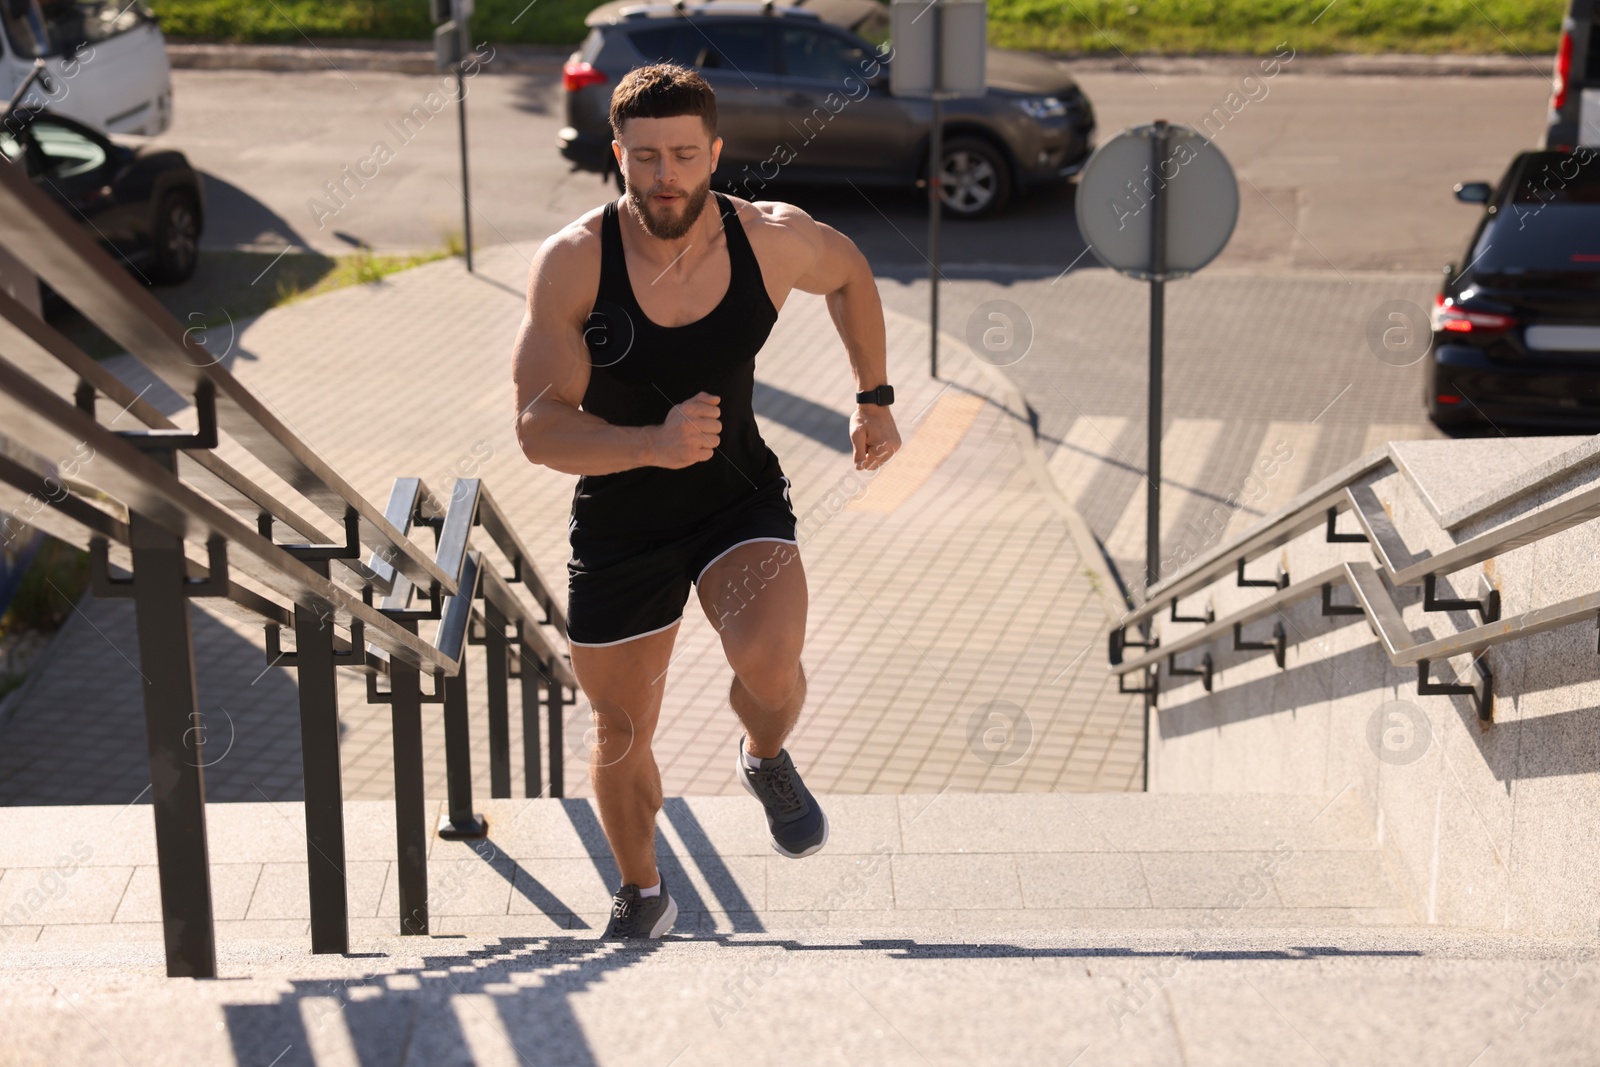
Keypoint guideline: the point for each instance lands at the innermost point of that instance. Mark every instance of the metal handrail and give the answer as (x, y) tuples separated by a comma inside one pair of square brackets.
[(1397, 567), (1523, 530), (523, 569), (156, 497), (36, 347), (1211, 631), (1305, 513), (54, 247), (50, 425), (73, 521)]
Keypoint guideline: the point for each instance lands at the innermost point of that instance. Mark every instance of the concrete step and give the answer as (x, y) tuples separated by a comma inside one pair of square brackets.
[(1401, 995), (952, 861)]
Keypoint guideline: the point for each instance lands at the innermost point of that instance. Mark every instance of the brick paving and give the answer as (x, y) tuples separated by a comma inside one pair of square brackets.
[(1253, 360), (948, 604)]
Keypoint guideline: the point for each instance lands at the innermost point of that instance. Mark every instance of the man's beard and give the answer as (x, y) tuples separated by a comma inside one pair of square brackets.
[(667, 229)]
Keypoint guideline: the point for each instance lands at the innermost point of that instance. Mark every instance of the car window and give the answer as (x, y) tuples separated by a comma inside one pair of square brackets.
[(820, 56), (740, 47), (67, 152), (679, 44), (56, 27), (1540, 238), (1559, 178)]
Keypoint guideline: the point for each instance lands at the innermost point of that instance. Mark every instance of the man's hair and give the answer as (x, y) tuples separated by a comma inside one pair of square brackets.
[(662, 91)]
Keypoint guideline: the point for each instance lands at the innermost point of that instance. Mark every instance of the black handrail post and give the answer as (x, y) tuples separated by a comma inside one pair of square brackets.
[(531, 673), (174, 734), (319, 758), (557, 776), (410, 809), (460, 820), (494, 658)]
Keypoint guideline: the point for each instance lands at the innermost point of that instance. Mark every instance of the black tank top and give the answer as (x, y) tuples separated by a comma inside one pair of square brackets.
[(639, 369)]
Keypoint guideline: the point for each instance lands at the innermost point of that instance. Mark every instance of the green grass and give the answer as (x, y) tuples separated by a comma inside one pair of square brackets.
[(49, 588), (1073, 26), (1262, 26), (284, 21)]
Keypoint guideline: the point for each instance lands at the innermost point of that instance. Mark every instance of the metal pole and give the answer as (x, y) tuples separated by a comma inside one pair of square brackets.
[(532, 779), (495, 680), (935, 167), (466, 194), (319, 760), (174, 735), (1158, 270), (557, 760), (460, 820), (410, 809)]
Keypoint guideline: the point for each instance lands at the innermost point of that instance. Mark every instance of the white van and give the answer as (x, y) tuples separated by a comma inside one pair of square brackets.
[(1575, 96), (106, 61)]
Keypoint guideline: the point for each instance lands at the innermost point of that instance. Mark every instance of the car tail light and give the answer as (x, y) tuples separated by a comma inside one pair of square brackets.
[(1452, 319), (575, 76), (1558, 87)]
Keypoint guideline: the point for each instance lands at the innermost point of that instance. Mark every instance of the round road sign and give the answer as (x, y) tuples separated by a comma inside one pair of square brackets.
[(1121, 184)]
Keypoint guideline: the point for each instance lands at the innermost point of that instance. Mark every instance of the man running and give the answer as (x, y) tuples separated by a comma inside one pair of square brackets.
[(634, 369)]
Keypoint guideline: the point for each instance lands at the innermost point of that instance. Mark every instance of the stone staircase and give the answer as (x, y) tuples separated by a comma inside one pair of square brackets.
[(1486, 809), (961, 862), (953, 928)]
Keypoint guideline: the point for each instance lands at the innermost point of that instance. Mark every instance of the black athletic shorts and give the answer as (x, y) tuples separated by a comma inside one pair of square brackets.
[(627, 586)]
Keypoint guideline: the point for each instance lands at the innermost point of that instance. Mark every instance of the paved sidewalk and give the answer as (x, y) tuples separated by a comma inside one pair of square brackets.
[(954, 639), (1272, 382)]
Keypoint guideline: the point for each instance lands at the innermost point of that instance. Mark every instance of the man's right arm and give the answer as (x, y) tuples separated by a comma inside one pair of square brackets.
[(550, 370)]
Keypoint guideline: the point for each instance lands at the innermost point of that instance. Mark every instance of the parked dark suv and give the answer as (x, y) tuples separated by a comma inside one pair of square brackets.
[(803, 96), (1516, 331)]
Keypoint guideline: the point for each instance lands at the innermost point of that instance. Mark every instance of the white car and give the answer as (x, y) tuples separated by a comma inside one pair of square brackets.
[(106, 62)]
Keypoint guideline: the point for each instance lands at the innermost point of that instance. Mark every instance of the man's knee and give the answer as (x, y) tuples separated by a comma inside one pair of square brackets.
[(614, 733), (772, 680)]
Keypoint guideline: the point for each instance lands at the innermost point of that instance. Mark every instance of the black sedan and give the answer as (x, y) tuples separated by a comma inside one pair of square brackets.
[(145, 205), (1516, 332)]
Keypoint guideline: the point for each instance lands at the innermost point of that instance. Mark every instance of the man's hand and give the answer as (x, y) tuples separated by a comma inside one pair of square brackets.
[(689, 433), (873, 433)]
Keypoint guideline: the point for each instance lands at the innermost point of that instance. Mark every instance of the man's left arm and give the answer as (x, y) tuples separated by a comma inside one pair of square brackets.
[(839, 271)]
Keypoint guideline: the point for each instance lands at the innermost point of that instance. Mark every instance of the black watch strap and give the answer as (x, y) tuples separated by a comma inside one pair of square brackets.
[(883, 394)]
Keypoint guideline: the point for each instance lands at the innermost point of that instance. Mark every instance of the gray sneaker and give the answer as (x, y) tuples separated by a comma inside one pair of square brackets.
[(634, 917), (798, 825)]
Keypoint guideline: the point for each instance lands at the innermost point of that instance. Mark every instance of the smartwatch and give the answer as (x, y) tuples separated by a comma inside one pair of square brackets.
[(883, 394)]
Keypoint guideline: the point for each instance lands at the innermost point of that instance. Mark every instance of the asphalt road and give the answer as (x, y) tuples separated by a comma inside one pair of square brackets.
[(1337, 173)]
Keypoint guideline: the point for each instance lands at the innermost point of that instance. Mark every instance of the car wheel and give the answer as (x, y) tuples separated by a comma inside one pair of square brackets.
[(176, 238), (975, 181)]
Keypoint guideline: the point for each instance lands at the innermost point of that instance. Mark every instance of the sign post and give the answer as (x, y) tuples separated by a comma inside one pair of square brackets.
[(452, 42), (1157, 203), (1158, 297), (939, 55)]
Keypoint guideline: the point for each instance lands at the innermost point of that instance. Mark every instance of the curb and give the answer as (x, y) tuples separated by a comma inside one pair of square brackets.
[(407, 57), (1343, 65), (389, 57)]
